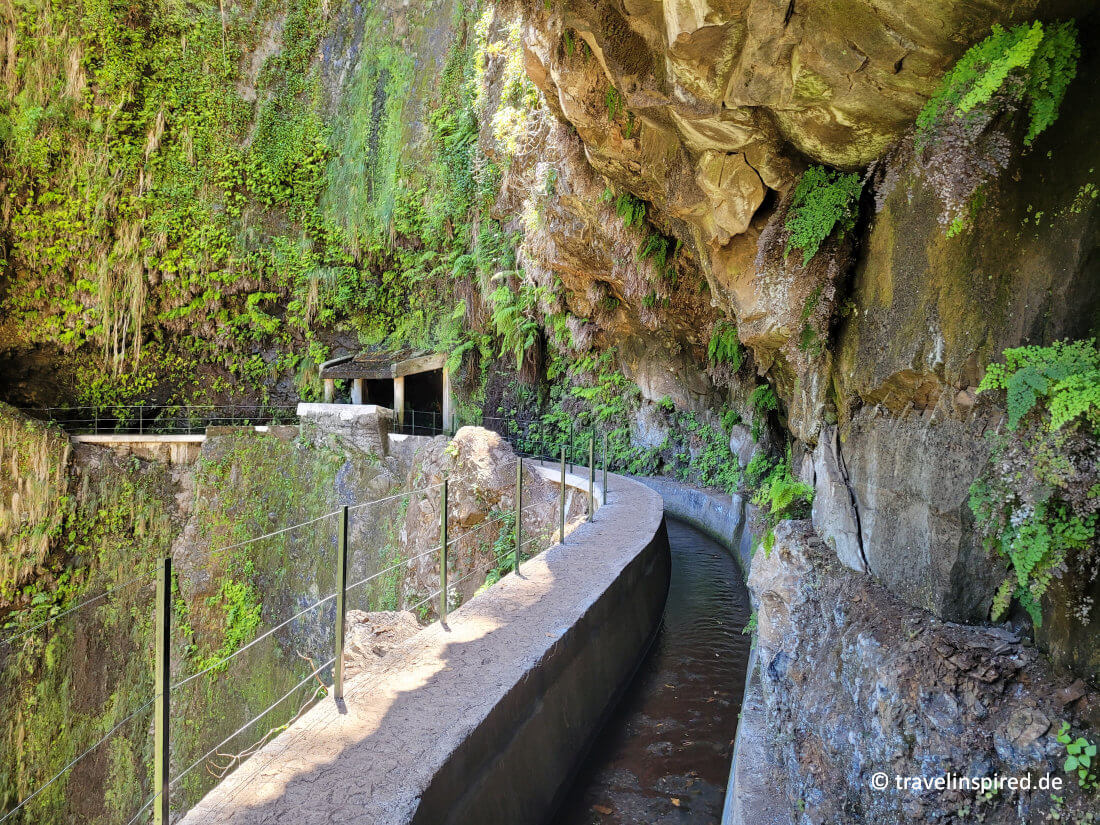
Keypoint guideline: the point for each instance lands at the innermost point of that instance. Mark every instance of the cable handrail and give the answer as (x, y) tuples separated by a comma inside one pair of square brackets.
[(249, 723), (499, 557), (372, 502), (392, 567), (73, 609), (274, 533), (255, 641), (88, 750)]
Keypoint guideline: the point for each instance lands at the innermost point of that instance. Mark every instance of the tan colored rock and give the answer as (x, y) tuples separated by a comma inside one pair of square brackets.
[(372, 635), (734, 190)]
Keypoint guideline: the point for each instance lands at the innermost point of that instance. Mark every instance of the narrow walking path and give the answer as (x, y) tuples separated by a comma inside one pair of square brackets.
[(481, 719)]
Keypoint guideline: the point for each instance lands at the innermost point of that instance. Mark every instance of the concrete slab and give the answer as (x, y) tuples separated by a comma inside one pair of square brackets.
[(484, 719)]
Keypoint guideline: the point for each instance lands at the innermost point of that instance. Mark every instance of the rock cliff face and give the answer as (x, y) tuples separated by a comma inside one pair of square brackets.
[(855, 682)]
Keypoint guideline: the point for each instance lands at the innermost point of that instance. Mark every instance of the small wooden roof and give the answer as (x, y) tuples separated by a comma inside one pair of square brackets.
[(385, 365)]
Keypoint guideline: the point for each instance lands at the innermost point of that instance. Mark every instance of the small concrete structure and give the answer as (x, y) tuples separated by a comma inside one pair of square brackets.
[(364, 427), (484, 719), (380, 378), (172, 449)]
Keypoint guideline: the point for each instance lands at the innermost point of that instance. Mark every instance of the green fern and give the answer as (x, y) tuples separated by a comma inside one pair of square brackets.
[(614, 101), (823, 202), (632, 210), (725, 346), (1045, 59), (1028, 504), (1065, 376)]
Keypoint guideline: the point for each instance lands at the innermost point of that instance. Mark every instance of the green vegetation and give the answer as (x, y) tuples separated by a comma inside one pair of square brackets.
[(762, 401), (824, 202), (780, 495), (725, 346), (1025, 64), (1036, 504), (1080, 753), (168, 202)]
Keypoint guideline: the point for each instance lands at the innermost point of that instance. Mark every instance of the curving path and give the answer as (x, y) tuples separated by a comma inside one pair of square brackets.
[(482, 720)]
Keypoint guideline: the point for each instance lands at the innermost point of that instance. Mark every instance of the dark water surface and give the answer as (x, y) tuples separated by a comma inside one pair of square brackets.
[(664, 756)]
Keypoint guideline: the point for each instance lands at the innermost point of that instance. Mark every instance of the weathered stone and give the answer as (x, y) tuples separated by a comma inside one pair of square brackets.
[(930, 311), (734, 190), (742, 444), (481, 471), (834, 512), (855, 682), (911, 482), (371, 635)]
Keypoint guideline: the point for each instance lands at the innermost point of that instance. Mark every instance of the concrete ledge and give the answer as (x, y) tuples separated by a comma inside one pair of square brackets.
[(345, 412), (485, 719), (173, 449)]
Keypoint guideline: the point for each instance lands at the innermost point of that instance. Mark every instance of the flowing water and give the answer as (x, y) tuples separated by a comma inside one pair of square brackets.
[(664, 756)]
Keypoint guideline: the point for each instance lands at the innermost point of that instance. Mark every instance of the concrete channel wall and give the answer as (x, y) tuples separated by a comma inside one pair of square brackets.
[(483, 720), (750, 793)]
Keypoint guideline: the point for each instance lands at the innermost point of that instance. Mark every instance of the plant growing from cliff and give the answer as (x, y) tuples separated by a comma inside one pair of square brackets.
[(781, 496), (725, 346), (1036, 505), (962, 133), (763, 401), (614, 100), (824, 201), (632, 210), (1025, 64)]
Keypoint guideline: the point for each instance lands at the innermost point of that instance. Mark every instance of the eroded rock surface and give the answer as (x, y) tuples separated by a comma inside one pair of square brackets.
[(481, 471), (857, 682)]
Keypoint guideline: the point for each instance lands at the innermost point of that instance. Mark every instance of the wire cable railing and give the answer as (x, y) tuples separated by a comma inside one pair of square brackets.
[(158, 803), (162, 419), (113, 589)]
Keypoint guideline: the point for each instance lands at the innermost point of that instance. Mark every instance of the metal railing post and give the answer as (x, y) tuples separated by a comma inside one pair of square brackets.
[(443, 554), (454, 424), (591, 477), (603, 493), (163, 679), (519, 509), (571, 446), (413, 422), (561, 505), (141, 418), (341, 605)]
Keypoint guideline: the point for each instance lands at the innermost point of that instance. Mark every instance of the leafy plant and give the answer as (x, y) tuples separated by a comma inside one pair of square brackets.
[(781, 496), (632, 210), (1065, 377), (1027, 63), (1036, 504), (614, 100), (725, 346), (824, 201), (762, 400), (1080, 753)]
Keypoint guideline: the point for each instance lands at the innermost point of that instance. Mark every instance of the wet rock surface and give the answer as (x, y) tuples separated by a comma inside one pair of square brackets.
[(857, 682), (664, 755)]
